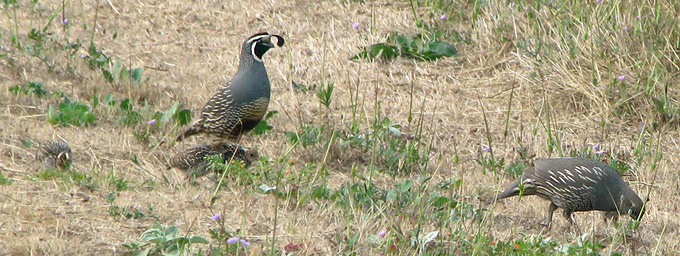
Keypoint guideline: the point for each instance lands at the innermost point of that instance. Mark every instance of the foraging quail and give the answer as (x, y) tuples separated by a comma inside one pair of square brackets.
[(239, 105), (54, 153), (577, 184), (193, 160)]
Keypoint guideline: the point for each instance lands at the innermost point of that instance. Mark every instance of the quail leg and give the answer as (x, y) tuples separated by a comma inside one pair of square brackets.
[(567, 215), (551, 210), (613, 216)]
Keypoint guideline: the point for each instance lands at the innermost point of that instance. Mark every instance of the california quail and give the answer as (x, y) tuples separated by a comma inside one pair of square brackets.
[(193, 160), (239, 105), (54, 153), (577, 184)]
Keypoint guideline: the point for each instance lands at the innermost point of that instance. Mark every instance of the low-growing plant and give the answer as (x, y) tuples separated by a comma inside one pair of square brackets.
[(176, 112), (234, 170), (227, 243), (5, 181), (119, 73), (126, 213), (308, 135), (324, 93), (515, 169), (413, 46), (118, 183), (359, 195), (68, 176), (130, 117), (160, 240), (96, 59), (488, 163), (303, 88), (263, 126), (30, 88), (70, 113), (395, 152)]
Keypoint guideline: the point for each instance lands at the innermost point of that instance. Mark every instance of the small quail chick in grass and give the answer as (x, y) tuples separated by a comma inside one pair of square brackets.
[(53, 153), (193, 162), (577, 184)]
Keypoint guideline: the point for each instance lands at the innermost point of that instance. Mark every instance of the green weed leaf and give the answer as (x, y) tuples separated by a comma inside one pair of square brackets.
[(137, 74)]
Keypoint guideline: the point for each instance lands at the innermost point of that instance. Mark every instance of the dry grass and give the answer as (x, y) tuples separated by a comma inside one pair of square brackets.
[(190, 48)]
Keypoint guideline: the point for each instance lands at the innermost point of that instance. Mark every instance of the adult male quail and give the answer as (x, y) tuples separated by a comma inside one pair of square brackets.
[(239, 105), (577, 184), (192, 160), (53, 153)]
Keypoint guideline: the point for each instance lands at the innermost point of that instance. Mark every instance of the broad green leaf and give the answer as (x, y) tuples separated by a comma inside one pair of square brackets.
[(95, 102), (116, 69), (27, 143), (137, 74), (262, 127), (107, 76), (125, 105), (52, 116), (198, 239), (124, 75), (170, 112), (182, 117)]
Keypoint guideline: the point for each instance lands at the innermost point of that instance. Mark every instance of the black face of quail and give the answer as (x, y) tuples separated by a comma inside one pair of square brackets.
[(261, 43), (64, 160), (636, 212)]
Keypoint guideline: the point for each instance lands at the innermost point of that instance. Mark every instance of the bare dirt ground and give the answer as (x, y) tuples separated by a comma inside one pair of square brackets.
[(190, 48)]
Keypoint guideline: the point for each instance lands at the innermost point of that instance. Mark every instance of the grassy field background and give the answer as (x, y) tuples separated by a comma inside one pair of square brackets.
[(370, 156)]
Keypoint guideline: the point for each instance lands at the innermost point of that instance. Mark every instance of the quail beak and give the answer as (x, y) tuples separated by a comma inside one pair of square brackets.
[(267, 41)]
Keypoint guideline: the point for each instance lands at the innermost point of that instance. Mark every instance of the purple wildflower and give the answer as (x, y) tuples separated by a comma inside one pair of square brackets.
[(600, 152), (217, 216), (638, 17), (621, 78), (443, 17), (597, 1), (486, 148), (596, 146), (244, 242), (355, 25), (232, 240), (64, 21), (382, 233), (153, 121)]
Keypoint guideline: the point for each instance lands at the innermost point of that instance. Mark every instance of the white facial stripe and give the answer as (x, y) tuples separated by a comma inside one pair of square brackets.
[(257, 38), (252, 51)]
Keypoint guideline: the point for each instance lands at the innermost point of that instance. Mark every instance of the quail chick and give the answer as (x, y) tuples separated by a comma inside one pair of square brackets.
[(192, 160), (239, 105), (577, 184), (53, 153)]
